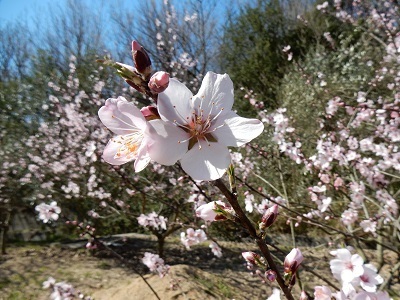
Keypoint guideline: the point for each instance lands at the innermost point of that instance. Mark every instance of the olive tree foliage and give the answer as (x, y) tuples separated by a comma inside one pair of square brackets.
[(181, 38)]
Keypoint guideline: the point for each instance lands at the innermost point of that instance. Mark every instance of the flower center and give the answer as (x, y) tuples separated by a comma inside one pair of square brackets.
[(130, 144), (201, 126)]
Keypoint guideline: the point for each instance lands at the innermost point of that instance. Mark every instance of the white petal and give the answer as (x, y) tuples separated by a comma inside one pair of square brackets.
[(343, 254), (357, 260), (207, 163), (109, 154), (121, 117), (238, 131), (175, 103), (166, 142), (347, 275), (215, 93), (143, 158)]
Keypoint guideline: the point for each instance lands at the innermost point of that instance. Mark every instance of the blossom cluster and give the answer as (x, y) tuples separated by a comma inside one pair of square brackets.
[(153, 220), (155, 263), (359, 280), (63, 290)]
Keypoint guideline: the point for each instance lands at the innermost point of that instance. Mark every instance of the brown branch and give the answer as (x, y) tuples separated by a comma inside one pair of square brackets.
[(246, 223)]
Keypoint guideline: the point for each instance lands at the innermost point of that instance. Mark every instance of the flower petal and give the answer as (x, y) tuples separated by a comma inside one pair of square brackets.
[(110, 151), (215, 93), (237, 131), (175, 102), (143, 158), (167, 142), (121, 116), (208, 163)]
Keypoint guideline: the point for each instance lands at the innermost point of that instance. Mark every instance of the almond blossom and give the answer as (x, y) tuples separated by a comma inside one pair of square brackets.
[(347, 267), (136, 137), (209, 124)]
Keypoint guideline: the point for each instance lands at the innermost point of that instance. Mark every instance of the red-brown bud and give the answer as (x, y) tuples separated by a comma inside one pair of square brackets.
[(269, 217), (141, 59), (293, 261)]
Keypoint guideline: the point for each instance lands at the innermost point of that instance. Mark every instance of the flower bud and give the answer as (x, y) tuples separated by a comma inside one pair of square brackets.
[(212, 211), (251, 257), (141, 59), (269, 217), (150, 113), (159, 82), (270, 275), (293, 261)]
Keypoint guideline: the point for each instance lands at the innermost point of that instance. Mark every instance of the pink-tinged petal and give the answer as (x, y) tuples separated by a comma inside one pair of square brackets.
[(121, 117), (207, 163), (167, 142), (238, 131), (175, 103), (215, 93), (109, 154)]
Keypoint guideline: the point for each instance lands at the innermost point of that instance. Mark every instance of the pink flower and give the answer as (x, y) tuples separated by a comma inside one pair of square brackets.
[(136, 138), (346, 267), (215, 249), (192, 237), (209, 125), (322, 293), (155, 263), (293, 260)]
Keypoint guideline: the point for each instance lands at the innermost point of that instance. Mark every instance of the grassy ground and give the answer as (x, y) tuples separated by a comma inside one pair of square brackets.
[(197, 274)]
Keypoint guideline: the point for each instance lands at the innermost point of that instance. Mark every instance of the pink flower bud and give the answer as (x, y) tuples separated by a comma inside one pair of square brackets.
[(293, 261), (150, 113), (141, 59), (159, 82), (270, 275), (269, 217), (250, 257), (209, 211)]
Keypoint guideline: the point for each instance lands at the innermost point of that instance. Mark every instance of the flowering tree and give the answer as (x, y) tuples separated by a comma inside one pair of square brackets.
[(328, 161)]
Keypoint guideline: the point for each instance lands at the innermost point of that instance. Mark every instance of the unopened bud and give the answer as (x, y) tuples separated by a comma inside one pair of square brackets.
[(212, 211), (269, 217), (270, 275), (159, 82), (293, 261), (150, 113), (141, 59), (251, 257)]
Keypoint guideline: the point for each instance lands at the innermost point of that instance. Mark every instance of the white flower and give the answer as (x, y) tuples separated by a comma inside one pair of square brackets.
[(48, 212), (136, 138), (347, 267), (209, 125)]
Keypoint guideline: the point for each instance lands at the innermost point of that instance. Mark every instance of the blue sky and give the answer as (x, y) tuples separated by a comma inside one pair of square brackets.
[(11, 10)]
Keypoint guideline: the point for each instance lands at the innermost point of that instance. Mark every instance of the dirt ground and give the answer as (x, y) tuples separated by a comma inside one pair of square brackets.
[(196, 274)]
